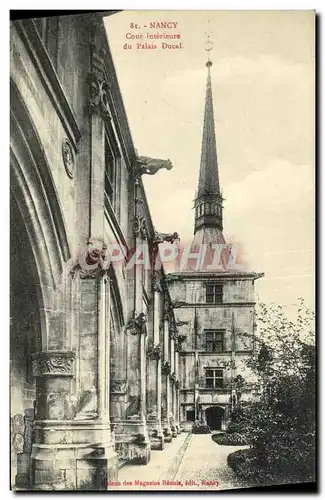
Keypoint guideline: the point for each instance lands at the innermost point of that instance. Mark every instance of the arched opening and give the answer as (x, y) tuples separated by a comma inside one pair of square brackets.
[(25, 338), (215, 417), (38, 252)]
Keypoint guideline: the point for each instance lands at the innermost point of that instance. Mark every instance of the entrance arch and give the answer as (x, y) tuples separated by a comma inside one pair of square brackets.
[(215, 417), (39, 250)]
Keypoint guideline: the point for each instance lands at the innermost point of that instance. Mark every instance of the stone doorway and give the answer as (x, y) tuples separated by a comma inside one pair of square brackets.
[(215, 417)]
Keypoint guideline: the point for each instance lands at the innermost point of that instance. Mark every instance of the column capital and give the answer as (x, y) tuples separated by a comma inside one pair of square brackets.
[(54, 363)]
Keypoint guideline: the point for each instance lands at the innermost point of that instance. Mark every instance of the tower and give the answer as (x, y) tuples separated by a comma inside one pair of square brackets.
[(214, 305), (208, 206)]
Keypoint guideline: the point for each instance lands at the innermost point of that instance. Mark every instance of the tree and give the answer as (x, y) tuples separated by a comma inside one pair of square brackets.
[(280, 423)]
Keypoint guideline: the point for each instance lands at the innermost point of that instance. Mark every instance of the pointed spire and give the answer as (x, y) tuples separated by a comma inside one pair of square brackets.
[(208, 202), (209, 176)]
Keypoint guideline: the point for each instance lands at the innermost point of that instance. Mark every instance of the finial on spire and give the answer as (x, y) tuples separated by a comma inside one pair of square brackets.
[(208, 46)]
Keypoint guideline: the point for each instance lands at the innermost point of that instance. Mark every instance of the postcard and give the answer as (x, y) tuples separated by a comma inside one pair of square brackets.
[(162, 207)]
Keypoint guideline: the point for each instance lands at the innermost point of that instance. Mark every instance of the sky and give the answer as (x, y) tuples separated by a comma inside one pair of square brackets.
[(263, 92)]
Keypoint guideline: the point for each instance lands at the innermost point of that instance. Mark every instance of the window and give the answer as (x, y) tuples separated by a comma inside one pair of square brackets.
[(110, 171), (112, 174), (214, 293), (214, 378), (214, 340)]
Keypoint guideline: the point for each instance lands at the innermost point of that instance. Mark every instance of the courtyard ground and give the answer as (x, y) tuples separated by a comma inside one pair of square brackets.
[(189, 462)]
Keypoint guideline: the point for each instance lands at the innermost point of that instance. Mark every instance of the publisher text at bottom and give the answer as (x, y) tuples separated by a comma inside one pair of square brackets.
[(164, 482)]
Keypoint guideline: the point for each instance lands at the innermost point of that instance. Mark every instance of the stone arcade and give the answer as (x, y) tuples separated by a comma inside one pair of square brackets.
[(102, 361)]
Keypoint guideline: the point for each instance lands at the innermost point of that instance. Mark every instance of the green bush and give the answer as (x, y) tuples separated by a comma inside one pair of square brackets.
[(280, 425), (233, 439), (200, 428)]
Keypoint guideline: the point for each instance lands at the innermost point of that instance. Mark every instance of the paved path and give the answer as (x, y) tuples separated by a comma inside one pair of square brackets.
[(162, 466), (189, 462), (205, 460)]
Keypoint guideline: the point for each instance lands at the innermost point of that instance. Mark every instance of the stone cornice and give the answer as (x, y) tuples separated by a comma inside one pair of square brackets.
[(213, 276)]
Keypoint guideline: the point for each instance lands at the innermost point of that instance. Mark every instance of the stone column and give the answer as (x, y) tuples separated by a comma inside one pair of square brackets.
[(134, 443), (176, 389), (165, 370), (154, 375), (72, 442), (172, 381)]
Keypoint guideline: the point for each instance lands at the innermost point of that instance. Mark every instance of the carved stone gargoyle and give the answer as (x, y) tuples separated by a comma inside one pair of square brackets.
[(150, 166), (137, 324), (165, 237)]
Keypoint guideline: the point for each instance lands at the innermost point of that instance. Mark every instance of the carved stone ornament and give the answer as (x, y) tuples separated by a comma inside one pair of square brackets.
[(140, 227), (166, 368), (68, 157), (181, 338), (99, 96), (172, 377), (156, 282), (173, 331), (118, 386), (155, 352), (54, 363), (150, 166), (165, 237), (91, 261), (138, 324), (167, 310), (181, 323), (177, 384)]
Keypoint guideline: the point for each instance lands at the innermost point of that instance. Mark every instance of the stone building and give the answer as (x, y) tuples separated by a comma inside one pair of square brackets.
[(214, 302), (109, 354), (94, 347)]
